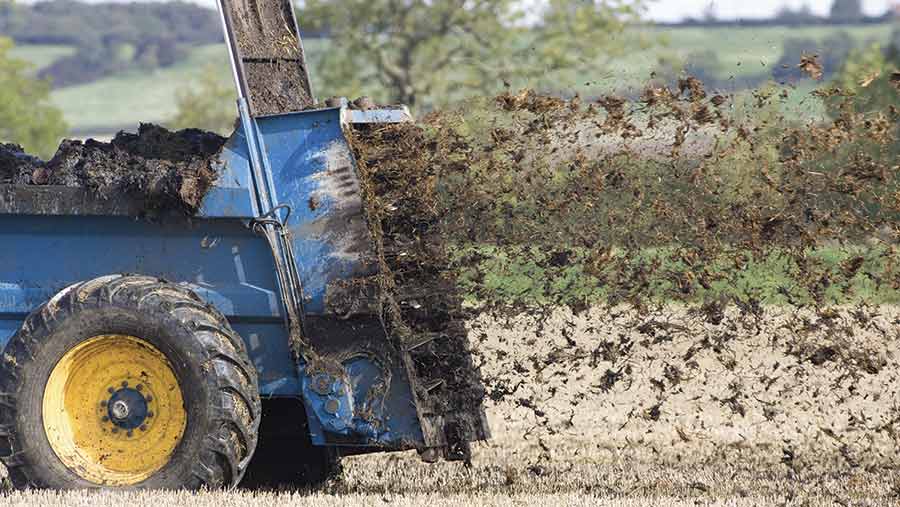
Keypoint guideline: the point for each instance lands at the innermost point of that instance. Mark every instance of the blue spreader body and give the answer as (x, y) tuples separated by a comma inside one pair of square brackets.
[(53, 237)]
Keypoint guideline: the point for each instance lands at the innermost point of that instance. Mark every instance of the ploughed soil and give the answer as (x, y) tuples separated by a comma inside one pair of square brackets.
[(168, 171)]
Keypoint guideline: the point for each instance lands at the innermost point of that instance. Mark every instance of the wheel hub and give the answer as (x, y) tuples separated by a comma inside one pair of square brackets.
[(113, 410), (119, 410), (128, 408)]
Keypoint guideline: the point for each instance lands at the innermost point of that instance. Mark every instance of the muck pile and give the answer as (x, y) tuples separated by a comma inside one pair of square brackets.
[(167, 171)]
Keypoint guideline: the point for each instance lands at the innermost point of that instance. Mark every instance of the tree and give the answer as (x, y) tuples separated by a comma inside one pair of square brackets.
[(846, 11), (26, 115), (803, 15), (109, 37), (867, 76), (209, 105), (424, 53)]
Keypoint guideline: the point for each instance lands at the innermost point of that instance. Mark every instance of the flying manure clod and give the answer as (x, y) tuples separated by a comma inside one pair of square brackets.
[(157, 353)]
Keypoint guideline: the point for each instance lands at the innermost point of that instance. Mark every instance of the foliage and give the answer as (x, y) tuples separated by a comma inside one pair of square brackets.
[(803, 15), (26, 117), (867, 75), (209, 105), (110, 37), (428, 53)]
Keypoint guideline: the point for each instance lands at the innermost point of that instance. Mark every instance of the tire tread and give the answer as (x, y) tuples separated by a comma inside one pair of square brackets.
[(221, 463)]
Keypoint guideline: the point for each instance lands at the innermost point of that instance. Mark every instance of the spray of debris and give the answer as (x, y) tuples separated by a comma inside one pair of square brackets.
[(672, 230)]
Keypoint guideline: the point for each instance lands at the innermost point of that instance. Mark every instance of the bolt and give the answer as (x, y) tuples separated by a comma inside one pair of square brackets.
[(111, 390), (143, 427), (140, 387), (120, 410), (332, 406), (323, 384), (149, 399), (124, 383)]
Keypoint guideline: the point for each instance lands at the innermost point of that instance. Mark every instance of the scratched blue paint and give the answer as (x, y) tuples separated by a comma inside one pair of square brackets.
[(233, 194), (389, 418), (298, 149)]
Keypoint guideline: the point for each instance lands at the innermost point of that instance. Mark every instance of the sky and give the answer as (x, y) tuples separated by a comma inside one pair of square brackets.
[(675, 10)]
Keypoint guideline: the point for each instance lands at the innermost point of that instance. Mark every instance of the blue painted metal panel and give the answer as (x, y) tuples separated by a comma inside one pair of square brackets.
[(312, 171), (360, 405), (233, 194), (270, 352), (220, 259)]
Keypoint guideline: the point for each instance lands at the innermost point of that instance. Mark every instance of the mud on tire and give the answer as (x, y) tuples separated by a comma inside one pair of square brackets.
[(218, 382)]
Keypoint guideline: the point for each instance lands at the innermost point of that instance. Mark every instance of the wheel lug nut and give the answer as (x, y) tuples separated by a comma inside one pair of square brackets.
[(111, 390), (149, 399), (130, 433), (140, 387), (149, 414), (143, 427), (124, 383)]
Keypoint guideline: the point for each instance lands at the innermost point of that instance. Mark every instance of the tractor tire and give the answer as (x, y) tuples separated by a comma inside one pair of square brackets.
[(127, 382)]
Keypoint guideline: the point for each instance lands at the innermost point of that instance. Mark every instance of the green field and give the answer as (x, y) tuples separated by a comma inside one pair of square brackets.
[(40, 56), (122, 101), (743, 52)]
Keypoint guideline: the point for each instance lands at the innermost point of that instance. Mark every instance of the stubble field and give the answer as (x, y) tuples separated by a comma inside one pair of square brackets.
[(669, 412)]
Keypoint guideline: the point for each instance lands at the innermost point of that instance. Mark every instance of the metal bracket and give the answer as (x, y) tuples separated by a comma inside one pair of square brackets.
[(278, 235)]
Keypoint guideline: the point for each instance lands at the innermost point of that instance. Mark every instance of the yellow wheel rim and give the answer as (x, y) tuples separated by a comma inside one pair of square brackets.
[(113, 410)]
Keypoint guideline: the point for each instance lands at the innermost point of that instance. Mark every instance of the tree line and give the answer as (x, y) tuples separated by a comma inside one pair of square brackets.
[(109, 37), (842, 12)]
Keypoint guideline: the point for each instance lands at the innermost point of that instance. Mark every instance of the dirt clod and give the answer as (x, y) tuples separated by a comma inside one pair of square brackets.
[(811, 66)]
